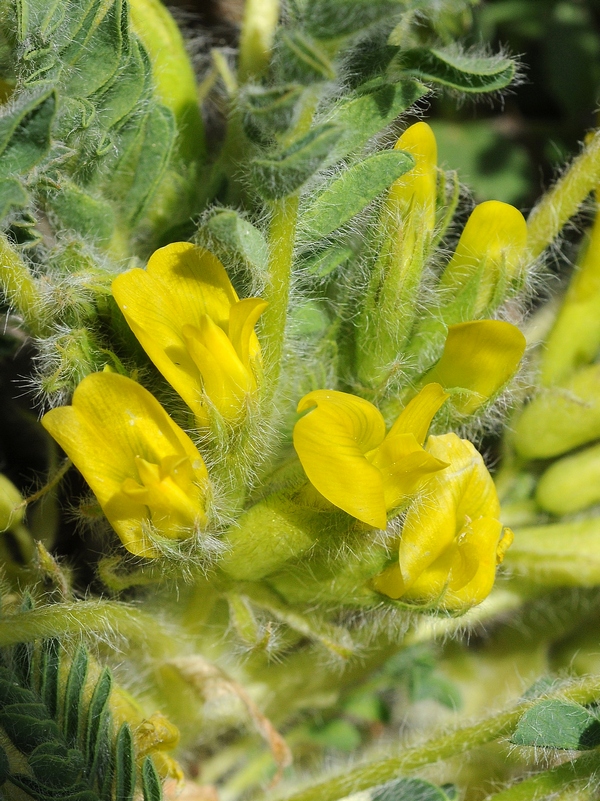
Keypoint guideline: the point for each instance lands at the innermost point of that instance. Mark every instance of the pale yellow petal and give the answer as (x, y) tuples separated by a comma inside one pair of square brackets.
[(419, 412), (480, 357), (331, 442)]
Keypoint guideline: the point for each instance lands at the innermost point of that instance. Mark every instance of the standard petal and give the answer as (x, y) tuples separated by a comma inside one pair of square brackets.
[(480, 357), (196, 281), (416, 417), (157, 324), (331, 442)]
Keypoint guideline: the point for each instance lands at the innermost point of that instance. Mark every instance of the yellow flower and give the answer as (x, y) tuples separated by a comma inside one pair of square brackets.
[(488, 258), (478, 357), (452, 541), (349, 459), (146, 473), (189, 320)]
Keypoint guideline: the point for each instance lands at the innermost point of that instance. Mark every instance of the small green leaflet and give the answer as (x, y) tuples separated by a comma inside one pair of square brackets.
[(455, 70), (558, 724)]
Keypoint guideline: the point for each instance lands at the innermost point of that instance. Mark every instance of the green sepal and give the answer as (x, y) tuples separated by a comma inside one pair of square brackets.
[(370, 110), (25, 134), (12, 196), (328, 19), (301, 59), (283, 172), (349, 194), (235, 236), (454, 69), (325, 260), (558, 724)]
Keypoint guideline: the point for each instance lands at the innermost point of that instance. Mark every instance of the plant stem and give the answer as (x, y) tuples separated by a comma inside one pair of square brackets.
[(84, 617), (258, 30), (456, 742), (559, 204), (571, 777)]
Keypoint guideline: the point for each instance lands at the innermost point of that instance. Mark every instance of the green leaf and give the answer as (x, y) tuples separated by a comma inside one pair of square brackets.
[(371, 110), (99, 53), (152, 162), (73, 712), (25, 134), (12, 196), (50, 667), (265, 111), (353, 190), (558, 724), (454, 69), (120, 97), (151, 783), (301, 59), (77, 210), (325, 260), (4, 766), (125, 765), (328, 19), (236, 235), (28, 726), (55, 766), (283, 173), (97, 711)]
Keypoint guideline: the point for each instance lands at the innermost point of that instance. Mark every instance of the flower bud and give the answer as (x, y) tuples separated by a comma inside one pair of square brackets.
[(571, 484), (11, 504)]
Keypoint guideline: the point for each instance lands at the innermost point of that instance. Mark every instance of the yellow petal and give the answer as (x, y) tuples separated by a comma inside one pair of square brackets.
[(481, 541), (331, 442), (113, 421), (480, 357), (390, 582), (405, 467), (416, 417), (242, 319), (495, 233), (418, 186)]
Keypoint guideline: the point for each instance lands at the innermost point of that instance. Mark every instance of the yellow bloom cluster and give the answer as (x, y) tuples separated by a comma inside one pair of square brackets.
[(451, 538), (148, 476)]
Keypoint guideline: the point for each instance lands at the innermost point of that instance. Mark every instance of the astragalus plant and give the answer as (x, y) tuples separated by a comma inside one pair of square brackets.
[(273, 363)]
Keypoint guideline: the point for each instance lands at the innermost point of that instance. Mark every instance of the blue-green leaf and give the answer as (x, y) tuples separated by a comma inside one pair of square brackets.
[(558, 724)]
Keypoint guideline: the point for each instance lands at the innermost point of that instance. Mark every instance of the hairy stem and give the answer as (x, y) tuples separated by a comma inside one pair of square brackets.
[(559, 204), (456, 742), (572, 779)]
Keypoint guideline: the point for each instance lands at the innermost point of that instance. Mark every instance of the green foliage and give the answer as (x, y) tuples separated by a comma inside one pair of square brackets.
[(558, 724), (348, 195), (59, 741)]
